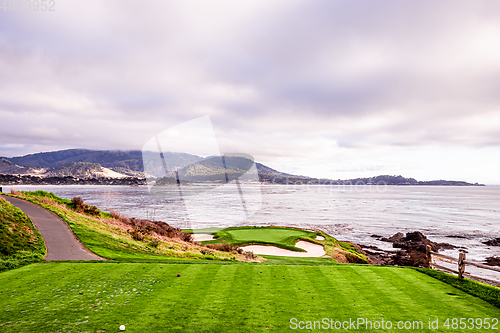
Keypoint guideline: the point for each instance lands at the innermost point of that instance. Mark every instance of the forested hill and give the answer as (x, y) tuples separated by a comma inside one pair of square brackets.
[(377, 180)]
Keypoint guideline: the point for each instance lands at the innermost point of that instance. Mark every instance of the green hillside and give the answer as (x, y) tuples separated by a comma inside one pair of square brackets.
[(20, 241), (120, 238)]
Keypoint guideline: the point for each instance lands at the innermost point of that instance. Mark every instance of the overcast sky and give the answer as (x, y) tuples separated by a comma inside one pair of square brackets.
[(336, 89)]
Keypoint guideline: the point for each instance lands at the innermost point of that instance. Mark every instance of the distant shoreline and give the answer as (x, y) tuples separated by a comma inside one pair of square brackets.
[(134, 181)]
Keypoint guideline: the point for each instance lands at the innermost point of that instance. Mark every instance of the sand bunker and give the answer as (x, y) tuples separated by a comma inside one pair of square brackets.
[(320, 238), (202, 237), (313, 250)]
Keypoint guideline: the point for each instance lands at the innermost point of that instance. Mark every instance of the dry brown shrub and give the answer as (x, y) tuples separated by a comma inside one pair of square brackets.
[(206, 251), (187, 237), (120, 217), (156, 229), (137, 235), (78, 204), (93, 210), (250, 255), (225, 247), (48, 201)]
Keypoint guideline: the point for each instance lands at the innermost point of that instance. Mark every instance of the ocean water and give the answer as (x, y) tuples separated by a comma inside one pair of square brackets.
[(462, 216)]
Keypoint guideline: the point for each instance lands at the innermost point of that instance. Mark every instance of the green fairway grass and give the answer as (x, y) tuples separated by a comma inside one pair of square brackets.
[(98, 297)]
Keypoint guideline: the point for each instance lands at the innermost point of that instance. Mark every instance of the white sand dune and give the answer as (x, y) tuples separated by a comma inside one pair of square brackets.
[(110, 173), (202, 237), (312, 250)]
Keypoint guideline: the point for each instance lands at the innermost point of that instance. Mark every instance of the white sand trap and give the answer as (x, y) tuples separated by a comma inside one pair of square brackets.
[(202, 237), (320, 238), (313, 250)]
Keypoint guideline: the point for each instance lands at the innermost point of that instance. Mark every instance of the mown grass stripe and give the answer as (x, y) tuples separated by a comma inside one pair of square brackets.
[(358, 291), (387, 297), (340, 295), (211, 311), (436, 291), (170, 305)]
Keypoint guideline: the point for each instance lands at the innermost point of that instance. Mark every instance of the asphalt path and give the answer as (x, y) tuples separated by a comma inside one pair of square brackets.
[(60, 241)]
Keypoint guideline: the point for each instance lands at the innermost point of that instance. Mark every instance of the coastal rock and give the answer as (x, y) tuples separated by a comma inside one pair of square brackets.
[(377, 256), (493, 242), (395, 238), (410, 258), (416, 241), (413, 247), (493, 261)]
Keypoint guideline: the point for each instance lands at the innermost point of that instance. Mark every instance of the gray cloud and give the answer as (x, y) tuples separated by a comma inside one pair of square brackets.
[(280, 78)]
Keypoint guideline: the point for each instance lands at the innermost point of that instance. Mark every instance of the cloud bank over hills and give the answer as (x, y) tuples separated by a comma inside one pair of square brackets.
[(333, 89)]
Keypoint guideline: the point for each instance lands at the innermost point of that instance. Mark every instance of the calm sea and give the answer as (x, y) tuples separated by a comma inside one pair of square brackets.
[(462, 216)]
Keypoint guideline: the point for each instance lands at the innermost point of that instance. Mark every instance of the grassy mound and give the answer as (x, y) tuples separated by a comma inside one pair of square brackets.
[(20, 241), (111, 238)]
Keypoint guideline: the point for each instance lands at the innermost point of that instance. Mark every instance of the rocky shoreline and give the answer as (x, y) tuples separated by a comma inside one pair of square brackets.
[(410, 250), (407, 250), (493, 261)]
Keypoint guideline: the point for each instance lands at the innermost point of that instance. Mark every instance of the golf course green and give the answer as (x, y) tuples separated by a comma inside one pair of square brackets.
[(281, 237)]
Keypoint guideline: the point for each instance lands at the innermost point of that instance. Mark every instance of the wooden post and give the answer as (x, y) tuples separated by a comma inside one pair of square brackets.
[(461, 265), (429, 255)]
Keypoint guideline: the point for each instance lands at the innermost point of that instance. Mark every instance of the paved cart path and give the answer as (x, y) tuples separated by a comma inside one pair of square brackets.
[(60, 241)]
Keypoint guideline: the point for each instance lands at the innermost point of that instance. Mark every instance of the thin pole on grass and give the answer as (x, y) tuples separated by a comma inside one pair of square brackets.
[(429, 255), (461, 265)]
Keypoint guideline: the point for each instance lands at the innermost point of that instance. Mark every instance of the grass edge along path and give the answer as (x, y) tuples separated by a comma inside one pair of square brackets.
[(488, 293), (20, 241)]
